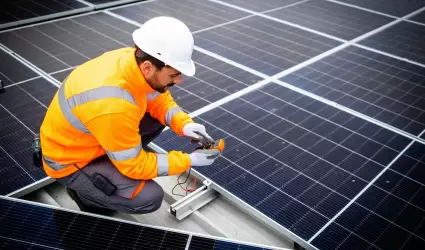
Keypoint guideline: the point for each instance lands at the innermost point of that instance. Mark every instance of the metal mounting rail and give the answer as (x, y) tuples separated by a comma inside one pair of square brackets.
[(195, 200)]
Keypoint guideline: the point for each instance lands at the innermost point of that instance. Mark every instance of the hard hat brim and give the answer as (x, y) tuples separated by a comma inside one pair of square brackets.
[(187, 69)]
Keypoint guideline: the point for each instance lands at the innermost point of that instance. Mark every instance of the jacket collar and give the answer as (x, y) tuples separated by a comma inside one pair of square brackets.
[(132, 73)]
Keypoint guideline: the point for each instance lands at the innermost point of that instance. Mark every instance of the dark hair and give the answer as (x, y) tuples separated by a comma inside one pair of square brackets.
[(142, 56)]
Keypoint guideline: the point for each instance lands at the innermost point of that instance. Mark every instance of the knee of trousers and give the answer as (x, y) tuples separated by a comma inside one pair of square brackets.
[(148, 200)]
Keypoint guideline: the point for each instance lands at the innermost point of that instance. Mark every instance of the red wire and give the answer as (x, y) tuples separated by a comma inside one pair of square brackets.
[(190, 190)]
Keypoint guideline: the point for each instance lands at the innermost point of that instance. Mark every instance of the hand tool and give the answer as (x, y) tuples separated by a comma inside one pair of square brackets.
[(207, 143)]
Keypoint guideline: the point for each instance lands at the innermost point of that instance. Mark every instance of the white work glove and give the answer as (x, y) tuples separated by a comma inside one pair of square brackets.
[(197, 132), (204, 157)]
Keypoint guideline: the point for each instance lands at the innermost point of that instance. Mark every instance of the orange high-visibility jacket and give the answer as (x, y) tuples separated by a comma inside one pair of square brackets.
[(97, 111)]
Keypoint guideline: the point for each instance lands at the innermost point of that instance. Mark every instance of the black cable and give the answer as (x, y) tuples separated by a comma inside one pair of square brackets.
[(180, 183)]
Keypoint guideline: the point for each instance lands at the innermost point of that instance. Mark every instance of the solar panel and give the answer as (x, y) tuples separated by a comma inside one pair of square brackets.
[(264, 45), (387, 89), (397, 8), (197, 15), (404, 39), (420, 17), (332, 18), (25, 11), (295, 160), (38, 226)]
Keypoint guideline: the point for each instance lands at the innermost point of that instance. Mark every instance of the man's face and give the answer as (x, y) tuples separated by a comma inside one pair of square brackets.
[(160, 80)]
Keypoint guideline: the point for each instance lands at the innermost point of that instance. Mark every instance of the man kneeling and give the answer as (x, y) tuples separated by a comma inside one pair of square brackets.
[(109, 109)]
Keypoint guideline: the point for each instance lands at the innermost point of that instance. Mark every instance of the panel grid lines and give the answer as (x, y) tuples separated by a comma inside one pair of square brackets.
[(360, 223), (322, 118), (294, 37), (287, 183), (246, 155)]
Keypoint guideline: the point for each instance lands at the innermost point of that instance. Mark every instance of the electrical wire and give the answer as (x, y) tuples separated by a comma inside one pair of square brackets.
[(187, 185)]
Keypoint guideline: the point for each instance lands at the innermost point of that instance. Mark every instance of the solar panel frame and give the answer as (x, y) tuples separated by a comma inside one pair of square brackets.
[(102, 4), (49, 227)]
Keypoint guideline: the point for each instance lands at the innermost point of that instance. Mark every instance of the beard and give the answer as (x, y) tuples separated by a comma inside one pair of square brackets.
[(153, 82), (165, 88)]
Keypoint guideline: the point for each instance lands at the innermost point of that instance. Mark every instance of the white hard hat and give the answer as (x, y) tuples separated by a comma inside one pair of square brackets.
[(169, 40)]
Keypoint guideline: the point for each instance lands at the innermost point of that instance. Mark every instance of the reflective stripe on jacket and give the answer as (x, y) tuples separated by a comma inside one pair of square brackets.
[(97, 111)]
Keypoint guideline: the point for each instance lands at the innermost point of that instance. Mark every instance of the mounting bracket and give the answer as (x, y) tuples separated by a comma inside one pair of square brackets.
[(193, 201)]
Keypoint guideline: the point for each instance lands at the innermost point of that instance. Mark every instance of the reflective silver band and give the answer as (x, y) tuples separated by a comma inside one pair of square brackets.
[(66, 105), (125, 154), (152, 95), (170, 114), (162, 161), (100, 93), (52, 164), (67, 112)]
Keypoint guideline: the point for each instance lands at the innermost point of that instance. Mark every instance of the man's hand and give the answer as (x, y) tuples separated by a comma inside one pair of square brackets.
[(197, 132), (204, 157)]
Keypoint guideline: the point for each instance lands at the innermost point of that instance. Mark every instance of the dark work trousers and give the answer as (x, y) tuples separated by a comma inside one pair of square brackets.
[(149, 198)]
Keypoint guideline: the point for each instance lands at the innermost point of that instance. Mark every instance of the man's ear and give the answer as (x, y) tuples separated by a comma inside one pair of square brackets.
[(147, 68)]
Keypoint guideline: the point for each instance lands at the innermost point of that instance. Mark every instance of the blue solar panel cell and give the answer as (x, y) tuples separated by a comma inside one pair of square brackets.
[(397, 8), (408, 43), (197, 15), (263, 44), (332, 18), (381, 87)]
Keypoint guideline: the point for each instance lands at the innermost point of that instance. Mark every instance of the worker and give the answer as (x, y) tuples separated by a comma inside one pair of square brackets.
[(96, 129)]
